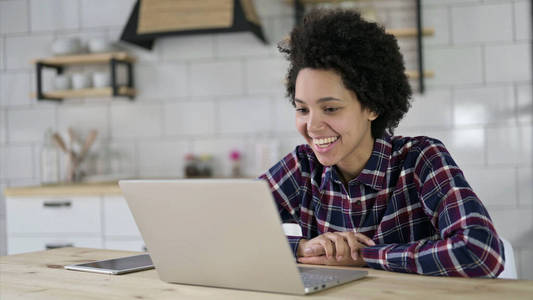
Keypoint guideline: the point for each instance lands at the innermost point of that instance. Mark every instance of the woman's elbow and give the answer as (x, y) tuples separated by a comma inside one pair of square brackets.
[(488, 259)]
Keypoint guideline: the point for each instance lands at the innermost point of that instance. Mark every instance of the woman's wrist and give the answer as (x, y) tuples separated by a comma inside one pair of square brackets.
[(300, 249)]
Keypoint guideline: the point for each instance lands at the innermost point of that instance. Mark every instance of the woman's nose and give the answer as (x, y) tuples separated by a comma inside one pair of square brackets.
[(314, 123)]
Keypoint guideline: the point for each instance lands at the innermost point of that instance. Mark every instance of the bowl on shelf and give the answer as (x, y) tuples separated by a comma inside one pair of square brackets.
[(62, 82), (99, 45), (101, 79), (66, 46), (81, 81)]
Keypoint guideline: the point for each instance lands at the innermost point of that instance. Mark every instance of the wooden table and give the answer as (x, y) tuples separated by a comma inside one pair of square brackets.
[(40, 275)]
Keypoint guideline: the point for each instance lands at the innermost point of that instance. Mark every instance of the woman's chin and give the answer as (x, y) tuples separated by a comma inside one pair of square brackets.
[(324, 160)]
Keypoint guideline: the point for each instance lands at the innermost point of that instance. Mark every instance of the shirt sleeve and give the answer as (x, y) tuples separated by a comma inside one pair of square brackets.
[(467, 245), (284, 179)]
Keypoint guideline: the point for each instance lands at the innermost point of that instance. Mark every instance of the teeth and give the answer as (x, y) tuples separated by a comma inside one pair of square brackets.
[(328, 140)]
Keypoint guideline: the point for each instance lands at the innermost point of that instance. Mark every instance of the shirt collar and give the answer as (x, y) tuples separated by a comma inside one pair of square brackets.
[(375, 171)]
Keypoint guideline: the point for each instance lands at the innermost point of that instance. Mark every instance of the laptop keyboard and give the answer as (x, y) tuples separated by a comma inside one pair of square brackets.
[(314, 277)]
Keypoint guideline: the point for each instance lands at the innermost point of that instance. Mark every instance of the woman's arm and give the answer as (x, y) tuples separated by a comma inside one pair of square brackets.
[(285, 179), (468, 245)]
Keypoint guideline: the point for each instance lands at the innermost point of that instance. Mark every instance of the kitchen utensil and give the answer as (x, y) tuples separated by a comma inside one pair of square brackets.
[(88, 143), (59, 140)]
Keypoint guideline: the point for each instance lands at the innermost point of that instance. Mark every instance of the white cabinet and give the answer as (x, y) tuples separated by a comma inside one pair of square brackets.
[(53, 215), (120, 229), (118, 219), (38, 223), (17, 244)]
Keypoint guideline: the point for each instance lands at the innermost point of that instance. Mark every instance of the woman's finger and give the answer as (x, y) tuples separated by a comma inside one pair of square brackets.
[(353, 243), (314, 260), (313, 249), (341, 247), (364, 239), (328, 246)]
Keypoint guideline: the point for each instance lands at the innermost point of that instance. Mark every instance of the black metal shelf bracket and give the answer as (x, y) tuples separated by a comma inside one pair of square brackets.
[(113, 64), (40, 67)]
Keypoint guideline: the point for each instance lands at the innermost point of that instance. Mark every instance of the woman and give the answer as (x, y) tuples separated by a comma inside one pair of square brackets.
[(362, 196)]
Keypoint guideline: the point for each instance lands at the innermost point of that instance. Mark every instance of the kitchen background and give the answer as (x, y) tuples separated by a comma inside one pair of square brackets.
[(212, 93)]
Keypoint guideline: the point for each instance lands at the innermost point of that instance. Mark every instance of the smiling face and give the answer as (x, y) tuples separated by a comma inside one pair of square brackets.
[(332, 120)]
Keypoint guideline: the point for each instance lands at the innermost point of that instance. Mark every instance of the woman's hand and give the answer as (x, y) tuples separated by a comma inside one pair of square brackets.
[(334, 248)]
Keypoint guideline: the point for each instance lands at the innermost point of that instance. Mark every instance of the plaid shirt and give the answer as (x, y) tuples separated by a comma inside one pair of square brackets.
[(411, 198)]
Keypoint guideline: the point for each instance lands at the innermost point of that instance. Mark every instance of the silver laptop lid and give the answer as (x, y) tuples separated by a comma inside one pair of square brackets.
[(203, 232)]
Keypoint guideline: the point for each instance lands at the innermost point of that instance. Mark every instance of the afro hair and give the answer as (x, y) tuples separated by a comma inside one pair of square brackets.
[(367, 59)]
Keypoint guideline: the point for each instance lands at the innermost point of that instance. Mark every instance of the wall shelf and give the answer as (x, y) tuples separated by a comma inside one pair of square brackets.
[(92, 92), (60, 62)]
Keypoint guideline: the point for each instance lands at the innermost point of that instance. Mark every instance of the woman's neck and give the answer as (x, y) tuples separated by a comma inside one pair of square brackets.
[(352, 167)]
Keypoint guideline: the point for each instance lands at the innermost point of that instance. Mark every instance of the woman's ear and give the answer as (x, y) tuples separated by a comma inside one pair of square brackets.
[(372, 115)]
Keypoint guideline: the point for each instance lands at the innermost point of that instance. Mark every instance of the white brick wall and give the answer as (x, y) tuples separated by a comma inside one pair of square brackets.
[(3, 127), (457, 65), (2, 53), (83, 118), (484, 105), (20, 50), (17, 162), (180, 121), (209, 94), (15, 88), (213, 78), (245, 115), (28, 124), (13, 16), (508, 63), (522, 12), (130, 120), (44, 15), (104, 13), (162, 80), (476, 23)]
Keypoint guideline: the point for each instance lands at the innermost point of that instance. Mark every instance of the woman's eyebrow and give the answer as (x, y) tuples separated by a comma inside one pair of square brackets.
[(321, 100)]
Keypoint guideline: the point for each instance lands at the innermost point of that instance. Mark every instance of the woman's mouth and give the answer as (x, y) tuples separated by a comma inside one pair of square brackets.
[(325, 144)]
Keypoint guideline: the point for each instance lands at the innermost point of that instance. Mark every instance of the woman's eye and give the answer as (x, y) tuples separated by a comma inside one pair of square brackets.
[(301, 110), (331, 109)]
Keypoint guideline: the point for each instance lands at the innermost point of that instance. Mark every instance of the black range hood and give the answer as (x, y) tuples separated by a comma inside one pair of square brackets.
[(242, 21)]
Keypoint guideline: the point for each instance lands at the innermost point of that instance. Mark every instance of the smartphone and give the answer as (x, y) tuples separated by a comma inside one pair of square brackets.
[(116, 266)]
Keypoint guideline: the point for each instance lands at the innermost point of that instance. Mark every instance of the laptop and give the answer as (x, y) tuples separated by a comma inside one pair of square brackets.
[(222, 233)]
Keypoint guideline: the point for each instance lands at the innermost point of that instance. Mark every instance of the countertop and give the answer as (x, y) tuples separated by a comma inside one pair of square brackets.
[(74, 189), (40, 275)]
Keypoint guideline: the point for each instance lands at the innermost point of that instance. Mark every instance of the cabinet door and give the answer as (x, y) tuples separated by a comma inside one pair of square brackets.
[(118, 219), (53, 215), (28, 244)]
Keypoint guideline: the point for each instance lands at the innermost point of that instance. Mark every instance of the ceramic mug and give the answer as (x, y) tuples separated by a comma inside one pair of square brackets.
[(81, 81), (62, 82), (66, 46), (101, 79), (99, 45)]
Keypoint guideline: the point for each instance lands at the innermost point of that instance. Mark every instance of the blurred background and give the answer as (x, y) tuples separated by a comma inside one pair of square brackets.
[(217, 100)]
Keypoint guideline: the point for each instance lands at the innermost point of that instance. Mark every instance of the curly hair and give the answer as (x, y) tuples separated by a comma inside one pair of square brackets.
[(367, 59)]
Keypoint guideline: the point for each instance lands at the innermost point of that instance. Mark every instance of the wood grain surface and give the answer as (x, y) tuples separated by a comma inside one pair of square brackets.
[(40, 275)]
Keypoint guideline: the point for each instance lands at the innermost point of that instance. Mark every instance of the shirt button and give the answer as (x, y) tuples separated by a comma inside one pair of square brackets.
[(358, 202)]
